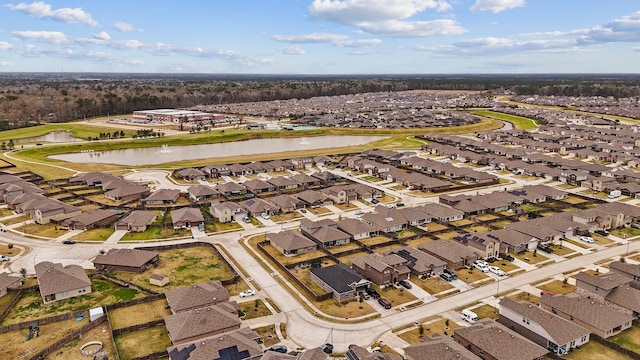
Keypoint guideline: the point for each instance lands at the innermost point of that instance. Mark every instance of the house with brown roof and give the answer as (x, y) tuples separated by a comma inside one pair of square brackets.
[(8, 282), (257, 206), (283, 183), (231, 189), (186, 217), (191, 325), (238, 344), (544, 328), (57, 282), (202, 192), (387, 220), (136, 221), (258, 186), (442, 213), (196, 296), (51, 209), (488, 246), (381, 270), (599, 286), (324, 232), (514, 241), (305, 180), (438, 346), (128, 260), (419, 262), (162, 197), (314, 199), (286, 203), (493, 341), (356, 352), (239, 170), (357, 229), (631, 271), (190, 174), (227, 211), (600, 318), (456, 255), (91, 219), (291, 242)]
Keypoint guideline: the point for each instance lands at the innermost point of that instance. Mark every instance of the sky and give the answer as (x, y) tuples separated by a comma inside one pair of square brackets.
[(321, 36)]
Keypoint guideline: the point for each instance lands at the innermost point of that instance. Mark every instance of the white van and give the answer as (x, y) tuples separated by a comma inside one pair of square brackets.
[(469, 316)]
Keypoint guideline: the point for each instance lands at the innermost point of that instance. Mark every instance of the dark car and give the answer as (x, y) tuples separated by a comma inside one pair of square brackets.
[(69, 242), (374, 201), (327, 348), (399, 204), (545, 248), (385, 303), (373, 293), (507, 257), (447, 277), (451, 272), (601, 232), (635, 226), (405, 284), (278, 348)]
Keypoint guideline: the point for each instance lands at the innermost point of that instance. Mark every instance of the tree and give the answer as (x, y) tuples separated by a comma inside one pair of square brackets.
[(11, 144), (23, 274)]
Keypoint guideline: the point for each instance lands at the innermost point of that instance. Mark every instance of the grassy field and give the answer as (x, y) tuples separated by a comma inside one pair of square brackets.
[(442, 326), (30, 305), (143, 342), (486, 311), (595, 351), (138, 314), (525, 296), (629, 339), (156, 234), (268, 335), (100, 333), (518, 122), (184, 267), (253, 309), (557, 287), (433, 285), (95, 234)]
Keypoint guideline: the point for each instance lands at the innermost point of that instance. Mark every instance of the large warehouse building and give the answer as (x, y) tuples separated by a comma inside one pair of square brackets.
[(175, 116)]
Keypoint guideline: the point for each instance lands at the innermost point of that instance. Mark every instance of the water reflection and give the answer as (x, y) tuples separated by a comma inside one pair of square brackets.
[(60, 136), (160, 155)]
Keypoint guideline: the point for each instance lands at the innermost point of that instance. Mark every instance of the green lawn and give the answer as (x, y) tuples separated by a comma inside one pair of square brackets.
[(95, 234), (629, 339), (518, 122), (156, 233)]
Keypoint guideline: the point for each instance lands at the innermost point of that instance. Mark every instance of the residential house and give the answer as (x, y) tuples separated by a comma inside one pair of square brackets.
[(512, 240), (258, 206), (137, 221), (613, 288), (57, 282), (324, 232), (419, 262), (381, 270), (356, 352), (128, 260), (486, 245), (357, 229), (544, 328), (190, 174), (227, 211), (283, 183), (286, 203), (291, 242), (127, 192), (305, 180), (188, 326), (239, 344), (442, 213), (231, 189), (343, 282), (387, 220), (456, 255), (162, 197), (8, 282), (196, 296), (600, 318), (632, 271), (327, 178), (51, 209), (491, 340), (239, 170), (202, 192), (91, 219), (185, 218), (314, 199), (258, 186), (438, 346)]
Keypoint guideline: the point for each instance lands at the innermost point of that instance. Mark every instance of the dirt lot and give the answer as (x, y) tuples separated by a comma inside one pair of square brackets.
[(138, 314), (71, 351), (15, 345)]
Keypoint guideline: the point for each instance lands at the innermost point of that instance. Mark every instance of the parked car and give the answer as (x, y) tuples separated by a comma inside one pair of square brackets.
[(375, 201), (496, 270), (265, 216), (635, 226), (246, 219), (482, 267), (278, 348), (4, 258), (451, 272), (447, 277), (304, 211), (481, 262), (507, 257), (390, 206), (69, 242), (359, 212), (545, 248), (373, 293), (587, 239), (601, 232), (385, 303), (327, 348), (364, 295), (249, 196), (399, 204), (247, 293), (405, 284)]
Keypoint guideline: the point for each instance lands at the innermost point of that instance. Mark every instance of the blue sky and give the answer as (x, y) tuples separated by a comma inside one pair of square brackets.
[(321, 36)]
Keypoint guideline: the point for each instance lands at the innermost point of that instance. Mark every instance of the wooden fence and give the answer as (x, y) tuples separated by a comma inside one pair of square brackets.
[(44, 321), (73, 335), (611, 345)]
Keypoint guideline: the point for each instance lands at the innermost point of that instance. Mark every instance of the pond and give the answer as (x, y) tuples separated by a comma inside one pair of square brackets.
[(60, 136), (164, 154)]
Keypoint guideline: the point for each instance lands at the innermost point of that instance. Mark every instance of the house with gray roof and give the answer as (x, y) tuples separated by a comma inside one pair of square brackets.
[(442, 213), (456, 255), (8, 282), (257, 206), (357, 229), (136, 221), (128, 260), (196, 296), (632, 271), (287, 203), (381, 270), (202, 192), (314, 199), (291, 242), (57, 282), (600, 318), (493, 341), (238, 344), (438, 346), (419, 262), (231, 189), (91, 219), (185, 218), (340, 280), (544, 328), (203, 322), (387, 220)]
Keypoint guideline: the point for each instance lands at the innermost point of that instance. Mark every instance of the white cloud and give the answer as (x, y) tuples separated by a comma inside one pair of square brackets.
[(395, 28), (5, 63), (624, 29), (291, 50), (496, 6), (314, 38), (359, 43), (5, 45), (493, 45), (103, 35), (54, 37), (125, 27), (386, 17), (42, 10)]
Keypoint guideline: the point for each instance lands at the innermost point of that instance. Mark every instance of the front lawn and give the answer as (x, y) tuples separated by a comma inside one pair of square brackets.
[(433, 285), (95, 234), (558, 287), (253, 309), (530, 257), (442, 326), (525, 296), (156, 233), (471, 275)]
